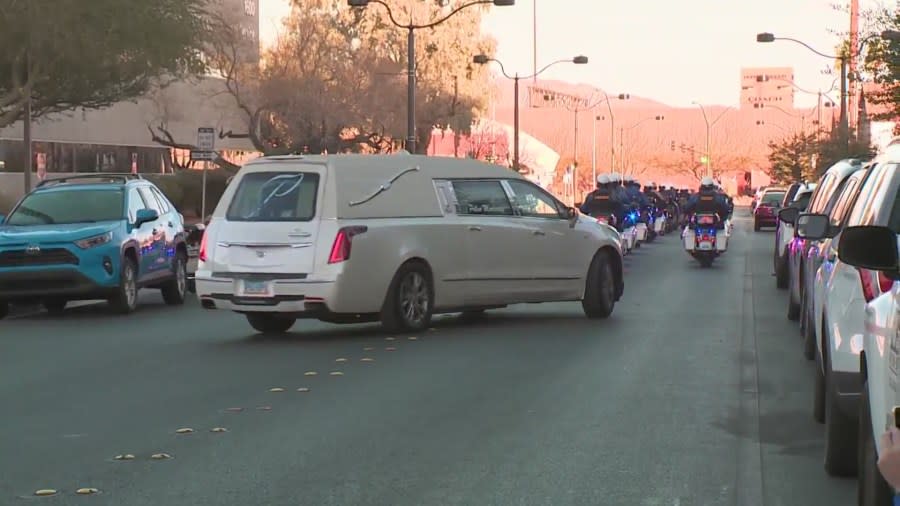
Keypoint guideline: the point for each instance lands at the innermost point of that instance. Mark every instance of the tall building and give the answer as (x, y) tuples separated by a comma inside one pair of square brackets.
[(768, 85)]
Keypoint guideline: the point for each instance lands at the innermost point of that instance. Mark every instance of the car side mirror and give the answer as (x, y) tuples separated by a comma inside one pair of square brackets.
[(2, 218), (873, 248), (145, 215), (813, 226), (789, 215)]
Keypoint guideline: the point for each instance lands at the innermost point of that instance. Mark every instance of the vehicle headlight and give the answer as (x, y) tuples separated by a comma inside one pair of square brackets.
[(94, 241)]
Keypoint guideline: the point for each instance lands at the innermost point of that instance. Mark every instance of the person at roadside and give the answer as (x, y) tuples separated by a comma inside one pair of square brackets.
[(708, 200), (889, 460)]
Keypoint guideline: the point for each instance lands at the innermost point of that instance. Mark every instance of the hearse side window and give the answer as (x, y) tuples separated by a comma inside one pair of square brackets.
[(531, 201), (275, 196), (486, 198)]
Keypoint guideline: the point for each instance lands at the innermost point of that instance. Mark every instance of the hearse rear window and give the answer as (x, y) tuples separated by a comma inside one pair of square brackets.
[(275, 196)]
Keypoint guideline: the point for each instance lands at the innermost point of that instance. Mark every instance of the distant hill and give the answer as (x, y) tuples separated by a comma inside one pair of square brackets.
[(739, 138)]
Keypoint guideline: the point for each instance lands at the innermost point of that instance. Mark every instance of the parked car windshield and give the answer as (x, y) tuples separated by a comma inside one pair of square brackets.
[(275, 196), (70, 205)]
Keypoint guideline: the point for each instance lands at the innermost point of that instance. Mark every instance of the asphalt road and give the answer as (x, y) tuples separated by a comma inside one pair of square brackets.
[(694, 393)]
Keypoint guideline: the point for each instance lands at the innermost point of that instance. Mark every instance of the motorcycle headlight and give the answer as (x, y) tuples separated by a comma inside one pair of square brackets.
[(92, 242)]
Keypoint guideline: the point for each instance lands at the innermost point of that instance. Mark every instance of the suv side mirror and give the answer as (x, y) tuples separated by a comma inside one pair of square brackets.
[(813, 226), (789, 215), (2, 218), (873, 248), (145, 215), (572, 216)]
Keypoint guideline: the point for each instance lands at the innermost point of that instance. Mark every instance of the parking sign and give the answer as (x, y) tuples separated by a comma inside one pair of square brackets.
[(206, 139)]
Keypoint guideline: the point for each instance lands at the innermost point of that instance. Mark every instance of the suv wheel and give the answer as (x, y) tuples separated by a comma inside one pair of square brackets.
[(55, 306), (600, 288), (781, 272), (4, 309), (173, 291), (270, 323), (840, 433), (124, 301)]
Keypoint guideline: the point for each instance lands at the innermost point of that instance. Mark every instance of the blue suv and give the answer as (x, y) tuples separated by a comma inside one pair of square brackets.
[(100, 236)]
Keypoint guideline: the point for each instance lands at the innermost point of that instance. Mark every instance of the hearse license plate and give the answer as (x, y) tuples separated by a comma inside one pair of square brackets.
[(248, 288), (706, 246)]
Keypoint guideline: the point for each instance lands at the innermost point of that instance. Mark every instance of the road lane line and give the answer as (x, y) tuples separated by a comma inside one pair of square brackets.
[(749, 483)]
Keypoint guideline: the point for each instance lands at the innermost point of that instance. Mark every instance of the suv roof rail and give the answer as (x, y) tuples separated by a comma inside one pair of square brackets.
[(111, 177)]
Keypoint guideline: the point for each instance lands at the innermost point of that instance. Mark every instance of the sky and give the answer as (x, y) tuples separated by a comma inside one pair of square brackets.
[(673, 51)]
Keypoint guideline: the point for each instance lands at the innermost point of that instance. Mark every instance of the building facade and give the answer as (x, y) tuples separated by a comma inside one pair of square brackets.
[(767, 86), (124, 136)]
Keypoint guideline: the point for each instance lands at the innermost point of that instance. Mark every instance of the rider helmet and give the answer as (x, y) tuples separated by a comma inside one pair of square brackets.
[(707, 183), (602, 179)]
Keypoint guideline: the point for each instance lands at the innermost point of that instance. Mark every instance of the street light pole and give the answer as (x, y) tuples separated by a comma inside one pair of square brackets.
[(411, 55), (483, 59), (516, 124)]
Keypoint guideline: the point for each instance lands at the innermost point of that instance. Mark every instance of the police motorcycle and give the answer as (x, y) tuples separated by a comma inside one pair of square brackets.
[(706, 236), (703, 239)]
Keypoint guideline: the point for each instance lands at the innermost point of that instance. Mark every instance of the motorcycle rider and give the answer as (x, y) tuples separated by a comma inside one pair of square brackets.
[(633, 187), (604, 200), (708, 200)]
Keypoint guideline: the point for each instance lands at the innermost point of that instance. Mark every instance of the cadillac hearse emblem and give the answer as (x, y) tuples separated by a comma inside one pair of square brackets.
[(33, 249)]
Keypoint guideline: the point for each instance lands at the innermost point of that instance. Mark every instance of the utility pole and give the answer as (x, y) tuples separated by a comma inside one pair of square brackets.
[(854, 64), (534, 41)]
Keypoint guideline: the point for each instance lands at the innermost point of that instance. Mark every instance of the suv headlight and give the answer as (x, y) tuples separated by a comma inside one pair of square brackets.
[(94, 241)]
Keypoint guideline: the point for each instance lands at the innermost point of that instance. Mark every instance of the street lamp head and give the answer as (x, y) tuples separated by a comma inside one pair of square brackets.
[(504, 3), (765, 37), (358, 3), (758, 122), (480, 59), (891, 35), (580, 60), (624, 96), (659, 118)]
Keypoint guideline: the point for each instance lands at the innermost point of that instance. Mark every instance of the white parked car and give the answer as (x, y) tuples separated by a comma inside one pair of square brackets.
[(838, 306), (397, 238), (876, 249)]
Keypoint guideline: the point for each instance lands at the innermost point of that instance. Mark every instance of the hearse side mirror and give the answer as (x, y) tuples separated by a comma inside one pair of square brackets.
[(145, 215), (789, 215), (873, 248), (813, 226)]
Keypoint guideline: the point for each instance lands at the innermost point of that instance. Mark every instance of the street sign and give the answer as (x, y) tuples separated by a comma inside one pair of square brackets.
[(203, 155), (206, 139)]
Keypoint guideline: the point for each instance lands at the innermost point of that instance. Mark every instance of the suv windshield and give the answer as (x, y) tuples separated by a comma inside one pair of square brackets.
[(772, 199), (71, 205), (275, 196), (802, 201)]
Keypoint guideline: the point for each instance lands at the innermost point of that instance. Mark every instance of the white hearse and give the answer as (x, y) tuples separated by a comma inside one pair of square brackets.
[(397, 238)]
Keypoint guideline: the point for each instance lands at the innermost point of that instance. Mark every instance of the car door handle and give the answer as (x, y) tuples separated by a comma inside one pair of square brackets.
[(538, 232), (475, 228)]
